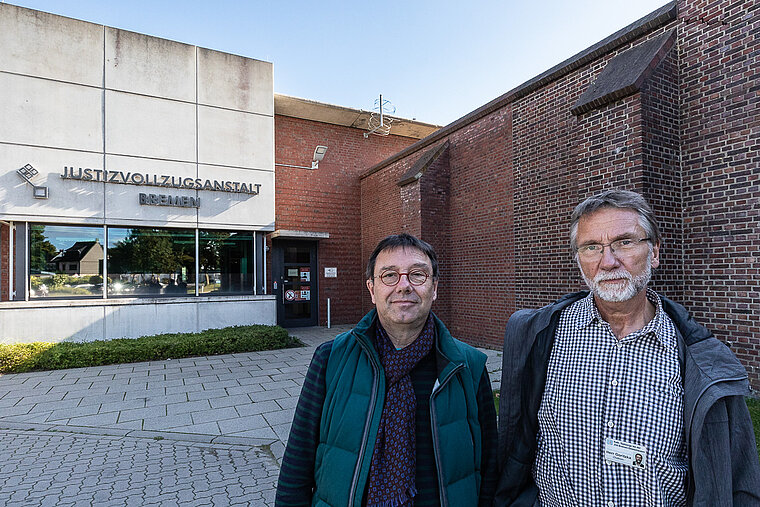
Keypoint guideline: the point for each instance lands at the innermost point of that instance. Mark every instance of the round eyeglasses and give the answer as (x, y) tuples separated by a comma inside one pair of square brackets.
[(619, 248), (391, 277)]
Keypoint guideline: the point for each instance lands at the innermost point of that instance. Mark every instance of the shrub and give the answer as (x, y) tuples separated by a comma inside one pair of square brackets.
[(49, 356)]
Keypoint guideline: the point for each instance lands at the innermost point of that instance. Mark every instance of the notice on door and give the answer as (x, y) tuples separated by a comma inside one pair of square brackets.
[(305, 274)]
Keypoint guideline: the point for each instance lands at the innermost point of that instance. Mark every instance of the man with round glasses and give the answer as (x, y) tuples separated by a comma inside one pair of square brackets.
[(395, 412), (617, 396)]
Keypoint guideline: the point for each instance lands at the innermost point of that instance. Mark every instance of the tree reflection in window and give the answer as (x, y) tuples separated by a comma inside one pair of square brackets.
[(226, 262), (65, 261), (150, 262)]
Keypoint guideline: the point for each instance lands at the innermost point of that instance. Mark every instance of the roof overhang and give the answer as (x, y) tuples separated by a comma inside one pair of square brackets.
[(287, 234), (295, 107)]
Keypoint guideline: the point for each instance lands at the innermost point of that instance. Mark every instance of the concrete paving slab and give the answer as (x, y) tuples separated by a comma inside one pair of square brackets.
[(230, 401), (242, 424), (214, 414), (193, 402), (141, 413), (257, 408), (210, 428), (188, 407)]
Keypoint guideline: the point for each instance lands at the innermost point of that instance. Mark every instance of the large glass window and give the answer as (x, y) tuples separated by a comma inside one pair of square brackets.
[(65, 261), (151, 262), (226, 262)]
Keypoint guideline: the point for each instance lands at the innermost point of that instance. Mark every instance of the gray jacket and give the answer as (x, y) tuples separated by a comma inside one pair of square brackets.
[(723, 461)]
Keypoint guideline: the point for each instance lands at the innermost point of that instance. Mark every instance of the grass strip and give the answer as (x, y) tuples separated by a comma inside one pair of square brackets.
[(22, 357)]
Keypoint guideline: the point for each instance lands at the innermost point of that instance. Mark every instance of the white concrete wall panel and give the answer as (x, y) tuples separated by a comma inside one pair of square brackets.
[(236, 313), (242, 210), (45, 45), (148, 65), (234, 138), (122, 201), (149, 127), (234, 82), (96, 321), (47, 113), (70, 200), (135, 320), (26, 325)]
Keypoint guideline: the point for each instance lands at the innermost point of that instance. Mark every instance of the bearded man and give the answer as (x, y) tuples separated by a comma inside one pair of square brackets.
[(617, 396)]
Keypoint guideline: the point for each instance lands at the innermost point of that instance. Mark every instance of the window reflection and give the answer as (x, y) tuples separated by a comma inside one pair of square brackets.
[(151, 262), (226, 262), (65, 261)]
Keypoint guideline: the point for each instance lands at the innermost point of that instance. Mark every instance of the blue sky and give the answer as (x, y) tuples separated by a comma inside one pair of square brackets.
[(434, 60)]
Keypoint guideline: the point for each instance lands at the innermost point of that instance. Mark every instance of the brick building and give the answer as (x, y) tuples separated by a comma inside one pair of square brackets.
[(669, 107)]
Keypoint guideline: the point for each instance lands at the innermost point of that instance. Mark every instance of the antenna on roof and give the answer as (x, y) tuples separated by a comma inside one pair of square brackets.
[(378, 123)]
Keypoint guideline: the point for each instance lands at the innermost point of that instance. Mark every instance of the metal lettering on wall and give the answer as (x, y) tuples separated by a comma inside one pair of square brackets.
[(158, 180), (170, 200)]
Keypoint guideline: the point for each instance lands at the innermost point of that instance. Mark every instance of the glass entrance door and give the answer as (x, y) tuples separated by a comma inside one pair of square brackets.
[(295, 271)]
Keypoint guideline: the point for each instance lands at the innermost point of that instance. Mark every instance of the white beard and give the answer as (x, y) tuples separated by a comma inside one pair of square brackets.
[(633, 285)]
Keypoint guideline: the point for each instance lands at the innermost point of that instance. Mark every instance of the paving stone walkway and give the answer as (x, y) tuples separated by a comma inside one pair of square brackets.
[(195, 431)]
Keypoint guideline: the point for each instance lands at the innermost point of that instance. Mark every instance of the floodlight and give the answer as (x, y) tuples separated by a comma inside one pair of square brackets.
[(319, 154)]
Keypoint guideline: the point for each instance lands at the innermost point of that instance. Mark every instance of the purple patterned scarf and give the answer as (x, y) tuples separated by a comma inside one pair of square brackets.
[(393, 467)]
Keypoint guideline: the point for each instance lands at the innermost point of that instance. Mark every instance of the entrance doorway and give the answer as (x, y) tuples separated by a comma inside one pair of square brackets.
[(294, 268)]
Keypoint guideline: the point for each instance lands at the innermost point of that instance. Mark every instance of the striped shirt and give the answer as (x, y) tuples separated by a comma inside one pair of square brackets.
[(600, 388)]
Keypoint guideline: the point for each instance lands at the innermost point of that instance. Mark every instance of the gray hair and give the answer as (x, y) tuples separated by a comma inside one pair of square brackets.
[(622, 199)]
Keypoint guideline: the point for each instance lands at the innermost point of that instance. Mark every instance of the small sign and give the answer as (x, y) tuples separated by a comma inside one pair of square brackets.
[(292, 272), (290, 295), (331, 272), (305, 295), (305, 274)]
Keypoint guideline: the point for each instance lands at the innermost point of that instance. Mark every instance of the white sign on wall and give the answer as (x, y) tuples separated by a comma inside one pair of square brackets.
[(331, 272)]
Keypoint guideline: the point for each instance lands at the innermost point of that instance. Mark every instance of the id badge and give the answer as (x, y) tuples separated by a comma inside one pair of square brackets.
[(625, 453)]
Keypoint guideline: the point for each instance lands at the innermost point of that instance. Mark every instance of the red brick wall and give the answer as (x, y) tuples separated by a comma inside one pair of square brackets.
[(720, 153), (688, 141), (662, 180), (328, 200), (4, 258), (464, 211)]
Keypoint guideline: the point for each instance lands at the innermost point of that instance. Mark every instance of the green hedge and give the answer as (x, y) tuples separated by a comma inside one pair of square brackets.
[(55, 356), (754, 411)]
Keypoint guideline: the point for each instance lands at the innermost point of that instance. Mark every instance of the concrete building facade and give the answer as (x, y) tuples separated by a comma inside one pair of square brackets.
[(127, 140)]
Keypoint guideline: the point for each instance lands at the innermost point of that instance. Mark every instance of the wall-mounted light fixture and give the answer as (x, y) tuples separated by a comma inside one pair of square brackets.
[(319, 154), (27, 173)]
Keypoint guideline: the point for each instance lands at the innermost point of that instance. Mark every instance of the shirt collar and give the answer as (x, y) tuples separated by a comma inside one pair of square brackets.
[(588, 314)]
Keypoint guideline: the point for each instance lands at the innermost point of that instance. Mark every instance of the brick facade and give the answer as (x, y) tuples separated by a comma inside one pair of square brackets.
[(328, 200), (684, 134)]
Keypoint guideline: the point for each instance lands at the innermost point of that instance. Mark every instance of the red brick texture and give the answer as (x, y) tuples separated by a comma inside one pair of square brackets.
[(497, 204), (328, 200), (720, 154)]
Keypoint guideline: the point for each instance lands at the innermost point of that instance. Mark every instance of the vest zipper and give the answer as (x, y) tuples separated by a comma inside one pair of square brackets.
[(434, 428), (370, 412)]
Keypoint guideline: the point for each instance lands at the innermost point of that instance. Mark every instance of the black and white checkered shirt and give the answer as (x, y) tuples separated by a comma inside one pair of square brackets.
[(599, 388)]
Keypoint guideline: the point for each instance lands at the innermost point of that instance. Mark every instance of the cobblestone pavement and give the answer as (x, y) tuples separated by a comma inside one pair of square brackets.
[(195, 431), (42, 468)]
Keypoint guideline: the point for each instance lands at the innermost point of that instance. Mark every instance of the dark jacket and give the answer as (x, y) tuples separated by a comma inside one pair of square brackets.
[(723, 461)]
